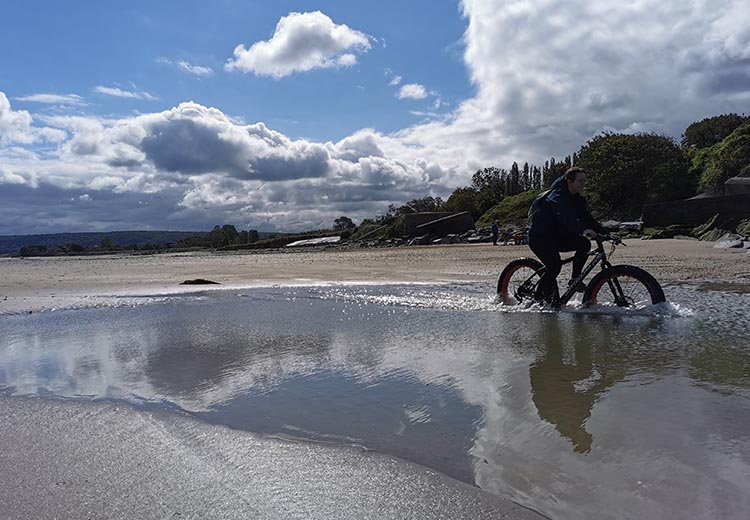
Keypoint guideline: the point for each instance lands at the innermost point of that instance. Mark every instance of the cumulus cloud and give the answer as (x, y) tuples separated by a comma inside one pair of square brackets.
[(550, 75), (301, 42), (547, 76), (118, 92), (54, 99), (217, 169), (412, 91), (192, 139), (16, 126)]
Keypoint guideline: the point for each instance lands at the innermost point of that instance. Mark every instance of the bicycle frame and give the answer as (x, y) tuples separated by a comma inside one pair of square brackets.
[(599, 255)]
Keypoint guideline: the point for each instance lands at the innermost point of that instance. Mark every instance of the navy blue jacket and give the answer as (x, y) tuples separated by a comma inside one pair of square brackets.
[(558, 211)]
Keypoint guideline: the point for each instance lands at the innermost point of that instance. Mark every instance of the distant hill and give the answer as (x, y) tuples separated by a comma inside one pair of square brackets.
[(11, 244)]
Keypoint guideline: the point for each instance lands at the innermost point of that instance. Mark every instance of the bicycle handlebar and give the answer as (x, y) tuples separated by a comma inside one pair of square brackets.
[(609, 238)]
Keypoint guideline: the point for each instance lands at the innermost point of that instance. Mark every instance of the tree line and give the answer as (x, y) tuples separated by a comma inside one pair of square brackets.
[(625, 172)]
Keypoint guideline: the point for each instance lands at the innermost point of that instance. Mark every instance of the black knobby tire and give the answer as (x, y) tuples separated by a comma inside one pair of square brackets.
[(638, 287), (512, 286)]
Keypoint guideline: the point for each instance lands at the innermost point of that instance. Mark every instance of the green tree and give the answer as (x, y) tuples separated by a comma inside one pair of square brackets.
[(464, 199), (490, 180), (725, 159), (552, 170), (490, 185), (215, 237), (536, 178), (343, 223), (514, 180), (627, 171), (32, 250), (72, 247), (230, 234), (423, 205), (712, 130), (107, 244), (526, 177)]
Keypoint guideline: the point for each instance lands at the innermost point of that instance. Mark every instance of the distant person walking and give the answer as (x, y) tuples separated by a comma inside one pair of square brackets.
[(495, 232)]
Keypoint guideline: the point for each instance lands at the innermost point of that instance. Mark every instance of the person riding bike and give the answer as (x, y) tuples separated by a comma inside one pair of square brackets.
[(559, 220)]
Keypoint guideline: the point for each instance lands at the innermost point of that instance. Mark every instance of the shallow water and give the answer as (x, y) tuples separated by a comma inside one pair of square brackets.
[(581, 413)]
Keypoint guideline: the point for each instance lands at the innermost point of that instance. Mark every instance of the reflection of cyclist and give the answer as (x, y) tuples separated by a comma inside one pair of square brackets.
[(559, 219), (556, 397), (564, 387)]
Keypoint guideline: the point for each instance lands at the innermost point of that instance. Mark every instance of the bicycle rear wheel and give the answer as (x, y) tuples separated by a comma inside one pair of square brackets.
[(518, 281), (624, 286)]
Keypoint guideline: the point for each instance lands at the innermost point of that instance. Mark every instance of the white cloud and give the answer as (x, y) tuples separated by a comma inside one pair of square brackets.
[(9, 177), (547, 77), (187, 67), (396, 80), (54, 99), (301, 42), (16, 127), (412, 91), (130, 94), (196, 70), (210, 167), (439, 102)]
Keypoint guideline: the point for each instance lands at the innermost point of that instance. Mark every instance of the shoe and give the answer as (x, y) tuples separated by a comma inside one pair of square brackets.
[(580, 286)]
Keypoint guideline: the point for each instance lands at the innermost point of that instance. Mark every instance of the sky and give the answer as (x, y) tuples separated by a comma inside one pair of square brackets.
[(285, 115)]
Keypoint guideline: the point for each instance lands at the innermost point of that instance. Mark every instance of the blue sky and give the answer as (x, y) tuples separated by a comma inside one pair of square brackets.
[(285, 115), (137, 46)]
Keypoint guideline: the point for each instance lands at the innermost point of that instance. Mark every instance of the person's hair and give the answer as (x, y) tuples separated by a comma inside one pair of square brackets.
[(572, 173)]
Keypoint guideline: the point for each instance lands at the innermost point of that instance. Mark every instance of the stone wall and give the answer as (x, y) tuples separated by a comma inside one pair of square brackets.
[(417, 219), (439, 224), (737, 186), (693, 212)]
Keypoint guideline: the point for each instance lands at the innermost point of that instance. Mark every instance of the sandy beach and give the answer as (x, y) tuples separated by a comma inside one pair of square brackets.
[(102, 458), (37, 284)]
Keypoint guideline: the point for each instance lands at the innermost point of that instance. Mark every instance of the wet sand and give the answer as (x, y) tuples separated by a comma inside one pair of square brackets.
[(81, 459), (35, 284), (99, 460)]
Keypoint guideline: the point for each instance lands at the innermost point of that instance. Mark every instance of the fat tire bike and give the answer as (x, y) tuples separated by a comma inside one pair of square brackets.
[(619, 285)]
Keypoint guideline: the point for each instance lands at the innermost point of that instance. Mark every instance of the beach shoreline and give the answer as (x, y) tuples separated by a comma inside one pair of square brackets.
[(83, 454), (46, 283)]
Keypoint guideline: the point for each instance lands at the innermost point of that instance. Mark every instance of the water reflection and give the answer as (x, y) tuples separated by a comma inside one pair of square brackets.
[(564, 389), (571, 414)]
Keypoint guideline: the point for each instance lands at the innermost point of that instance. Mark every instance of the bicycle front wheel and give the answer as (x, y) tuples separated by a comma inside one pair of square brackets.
[(624, 286), (518, 281)]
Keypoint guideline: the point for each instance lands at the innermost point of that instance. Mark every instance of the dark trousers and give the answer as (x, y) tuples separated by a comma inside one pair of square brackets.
[(548, 249)]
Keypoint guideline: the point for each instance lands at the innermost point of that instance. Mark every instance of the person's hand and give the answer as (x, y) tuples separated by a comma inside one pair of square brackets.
[(590, 234)]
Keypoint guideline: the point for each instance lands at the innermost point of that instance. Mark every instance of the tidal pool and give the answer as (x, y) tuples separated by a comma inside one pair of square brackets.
[(577, 414)]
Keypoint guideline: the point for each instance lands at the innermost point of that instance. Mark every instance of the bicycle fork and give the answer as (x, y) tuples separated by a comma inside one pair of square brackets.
[(616, 288)]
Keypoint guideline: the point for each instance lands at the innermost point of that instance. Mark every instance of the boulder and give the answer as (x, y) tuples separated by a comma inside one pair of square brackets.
[(199, 281), (728, 241)]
